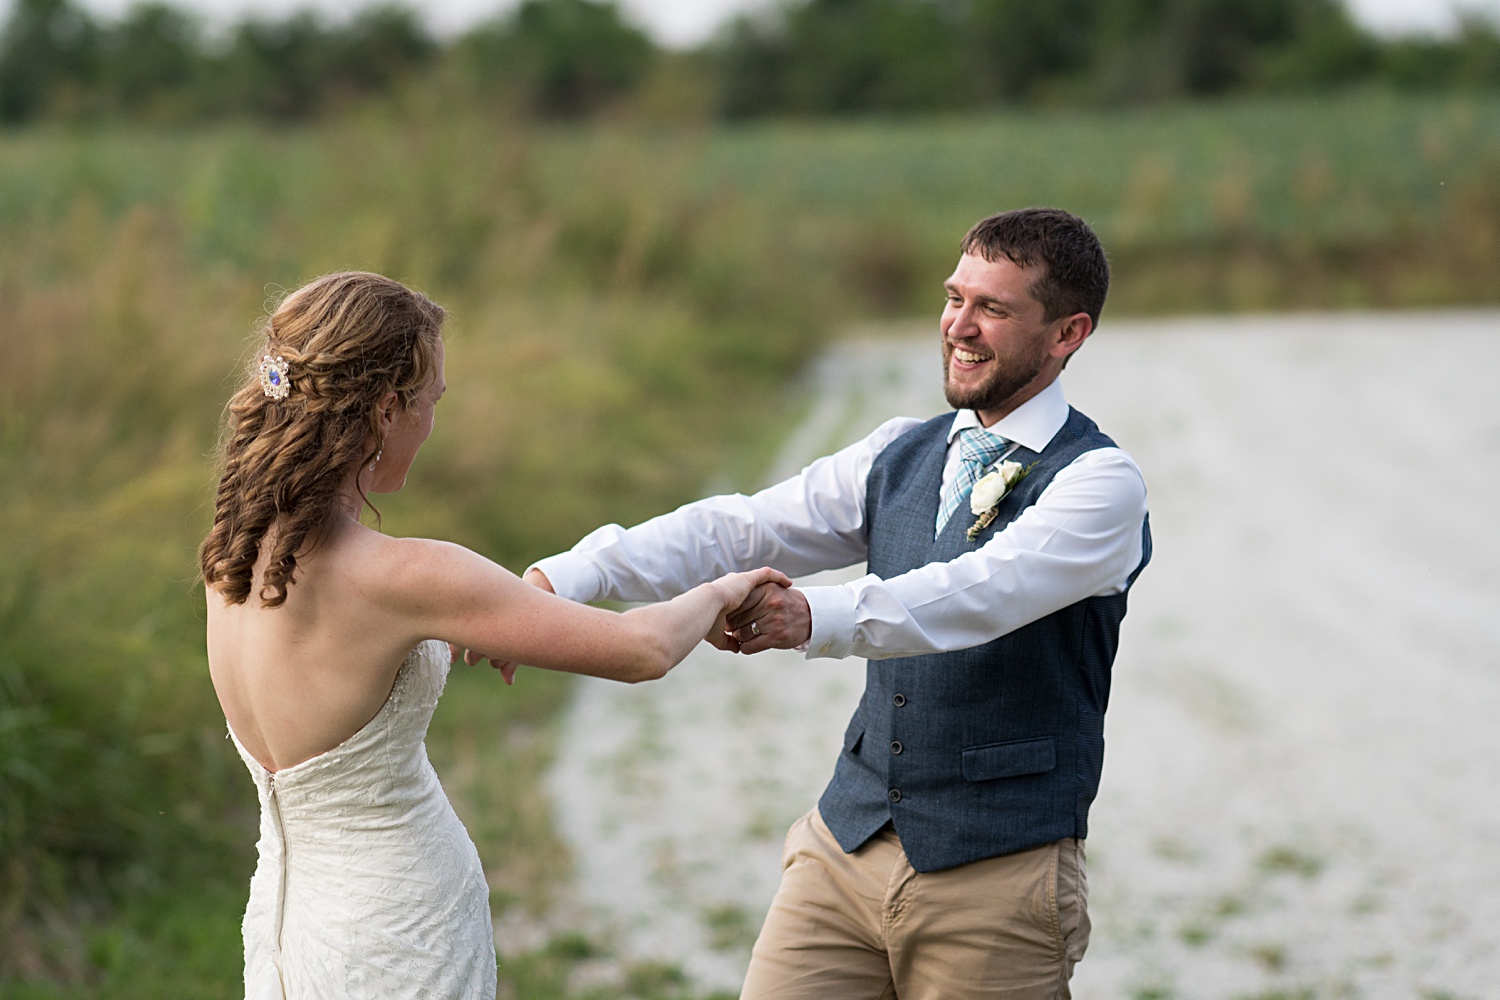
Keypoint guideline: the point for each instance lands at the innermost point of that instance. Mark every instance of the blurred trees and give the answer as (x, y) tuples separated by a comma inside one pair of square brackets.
[(1147, 49), (559, 58), (49, 56), (1472, 59), (843, 55), (156, 62), (1016, 46), (570, 58), (150, 59), (301, 66), (833, 56)]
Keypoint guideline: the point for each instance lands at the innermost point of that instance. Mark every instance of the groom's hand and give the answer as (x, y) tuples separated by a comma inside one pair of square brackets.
[(772, 617), (507, 668), (538, 579)]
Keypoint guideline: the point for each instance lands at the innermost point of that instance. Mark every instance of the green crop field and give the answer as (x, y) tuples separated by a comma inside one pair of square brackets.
[(629, 303)]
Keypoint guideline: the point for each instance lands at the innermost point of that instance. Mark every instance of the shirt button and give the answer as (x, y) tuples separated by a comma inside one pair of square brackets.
[(899, 700), (894, 795), (895, 746)]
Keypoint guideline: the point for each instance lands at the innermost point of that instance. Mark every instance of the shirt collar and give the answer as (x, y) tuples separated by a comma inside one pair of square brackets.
[(1032, 425)]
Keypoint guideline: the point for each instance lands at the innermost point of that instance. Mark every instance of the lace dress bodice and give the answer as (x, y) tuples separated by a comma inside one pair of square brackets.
[(367, 884)]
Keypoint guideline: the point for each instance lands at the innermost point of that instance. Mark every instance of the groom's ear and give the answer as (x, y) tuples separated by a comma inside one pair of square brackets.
[(1071, 333)]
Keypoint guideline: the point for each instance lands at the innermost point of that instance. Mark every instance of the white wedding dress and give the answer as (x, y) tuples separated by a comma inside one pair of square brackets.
[(367, 884)]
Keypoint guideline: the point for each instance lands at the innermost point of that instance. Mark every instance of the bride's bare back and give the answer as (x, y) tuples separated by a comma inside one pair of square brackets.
[(297, 680)]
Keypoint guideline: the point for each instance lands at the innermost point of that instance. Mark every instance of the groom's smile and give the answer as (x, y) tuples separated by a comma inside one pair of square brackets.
[(967, 359)]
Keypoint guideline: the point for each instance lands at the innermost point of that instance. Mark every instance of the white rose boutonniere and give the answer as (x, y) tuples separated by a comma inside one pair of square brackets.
[(990, 489)]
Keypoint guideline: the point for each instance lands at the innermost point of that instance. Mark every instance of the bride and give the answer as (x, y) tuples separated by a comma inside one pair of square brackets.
[(328, 648)]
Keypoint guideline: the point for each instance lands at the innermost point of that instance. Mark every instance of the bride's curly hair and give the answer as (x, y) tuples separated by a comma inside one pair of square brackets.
[(348, 339)]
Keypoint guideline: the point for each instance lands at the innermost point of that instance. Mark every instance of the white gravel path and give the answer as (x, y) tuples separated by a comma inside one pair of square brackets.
[(1301, 796)]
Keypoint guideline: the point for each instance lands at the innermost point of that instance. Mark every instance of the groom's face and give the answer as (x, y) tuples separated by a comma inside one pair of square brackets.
[(997, 342)]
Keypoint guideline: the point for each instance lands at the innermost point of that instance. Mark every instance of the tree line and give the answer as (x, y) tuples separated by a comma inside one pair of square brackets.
[(571, 58)]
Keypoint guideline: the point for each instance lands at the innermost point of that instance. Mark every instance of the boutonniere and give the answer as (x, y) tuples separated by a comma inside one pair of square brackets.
[(984, 500)]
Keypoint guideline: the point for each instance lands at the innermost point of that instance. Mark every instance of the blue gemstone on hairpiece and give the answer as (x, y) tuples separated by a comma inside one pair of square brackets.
[(275, 377)]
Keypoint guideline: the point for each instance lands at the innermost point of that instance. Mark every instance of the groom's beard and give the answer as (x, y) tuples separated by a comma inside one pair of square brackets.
[(1006, 378)]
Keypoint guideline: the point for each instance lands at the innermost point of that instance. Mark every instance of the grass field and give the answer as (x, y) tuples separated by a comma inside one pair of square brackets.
[(629, 303)]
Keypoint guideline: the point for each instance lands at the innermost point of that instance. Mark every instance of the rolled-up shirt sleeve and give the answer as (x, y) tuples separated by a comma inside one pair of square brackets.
[(810, 522), (1083, 537)]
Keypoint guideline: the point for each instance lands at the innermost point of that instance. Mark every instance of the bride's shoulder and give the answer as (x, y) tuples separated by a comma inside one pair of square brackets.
[(416, 569), (393, 558)]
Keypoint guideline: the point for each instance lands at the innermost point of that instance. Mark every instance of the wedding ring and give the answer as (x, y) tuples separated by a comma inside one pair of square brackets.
[(755, 628)]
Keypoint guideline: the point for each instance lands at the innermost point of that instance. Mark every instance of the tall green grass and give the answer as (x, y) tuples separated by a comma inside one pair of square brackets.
[(629, 303)]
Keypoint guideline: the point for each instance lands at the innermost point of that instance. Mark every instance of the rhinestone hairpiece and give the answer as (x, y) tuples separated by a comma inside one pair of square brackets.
[(275, 377)]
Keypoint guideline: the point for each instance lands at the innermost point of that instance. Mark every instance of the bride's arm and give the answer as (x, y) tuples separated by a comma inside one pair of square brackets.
[(444, 591)]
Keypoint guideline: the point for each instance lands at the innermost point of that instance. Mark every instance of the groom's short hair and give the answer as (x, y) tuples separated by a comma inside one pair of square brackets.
[(1074, 274)]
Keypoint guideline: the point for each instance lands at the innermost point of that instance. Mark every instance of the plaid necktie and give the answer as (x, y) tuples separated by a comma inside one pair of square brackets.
[(977, 448)]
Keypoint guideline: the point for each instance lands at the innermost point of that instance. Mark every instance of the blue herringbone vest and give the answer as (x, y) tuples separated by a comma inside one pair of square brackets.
[(983, 751)]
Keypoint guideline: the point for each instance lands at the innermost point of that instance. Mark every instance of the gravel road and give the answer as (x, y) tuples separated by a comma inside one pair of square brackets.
[(1301, 795)]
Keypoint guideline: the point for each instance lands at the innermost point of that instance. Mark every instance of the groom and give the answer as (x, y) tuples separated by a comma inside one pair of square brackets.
[(945, 858)]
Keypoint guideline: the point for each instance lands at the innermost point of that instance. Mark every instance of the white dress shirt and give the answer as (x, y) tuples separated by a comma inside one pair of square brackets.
[(1080, 539)]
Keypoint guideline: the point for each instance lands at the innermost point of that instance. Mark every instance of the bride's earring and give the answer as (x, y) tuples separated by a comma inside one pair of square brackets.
[(376, 460)]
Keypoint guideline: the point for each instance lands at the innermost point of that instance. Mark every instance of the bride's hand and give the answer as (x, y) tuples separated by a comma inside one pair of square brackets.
[(734, 591)]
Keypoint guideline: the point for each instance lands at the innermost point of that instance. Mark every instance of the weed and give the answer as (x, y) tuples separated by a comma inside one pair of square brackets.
[(1289, 860), (1271, 957), (1196, 934), (1153, 992), (730, 928)]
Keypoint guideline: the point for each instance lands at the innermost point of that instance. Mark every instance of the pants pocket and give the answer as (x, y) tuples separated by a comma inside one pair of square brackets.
[(1072, 900), (795, 835)]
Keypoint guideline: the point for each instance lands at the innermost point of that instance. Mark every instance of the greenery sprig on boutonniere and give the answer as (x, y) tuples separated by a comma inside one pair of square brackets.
[(989, 490)]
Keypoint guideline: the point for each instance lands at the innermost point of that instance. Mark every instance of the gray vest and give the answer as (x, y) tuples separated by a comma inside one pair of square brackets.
[(983, 751)]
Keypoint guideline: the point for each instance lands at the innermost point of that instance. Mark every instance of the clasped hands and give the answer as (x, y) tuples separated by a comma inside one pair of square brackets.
[(771, 617)]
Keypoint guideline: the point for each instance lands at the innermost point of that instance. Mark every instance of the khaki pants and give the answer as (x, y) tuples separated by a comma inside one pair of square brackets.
[(867, 926)]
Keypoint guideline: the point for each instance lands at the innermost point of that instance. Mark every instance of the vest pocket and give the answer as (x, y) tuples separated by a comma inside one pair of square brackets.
[(853, 735), (1010, 759), (855, 730)]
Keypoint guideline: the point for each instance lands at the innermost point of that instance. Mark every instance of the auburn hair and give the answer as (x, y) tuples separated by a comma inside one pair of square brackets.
[(348, 340)]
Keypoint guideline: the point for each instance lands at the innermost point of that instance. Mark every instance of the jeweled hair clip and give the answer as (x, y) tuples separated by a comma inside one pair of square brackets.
[(275, 377)]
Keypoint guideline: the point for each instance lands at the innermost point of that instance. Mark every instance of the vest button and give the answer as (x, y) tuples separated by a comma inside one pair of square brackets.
[(895, 746), (894, 795), (899, 700)]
